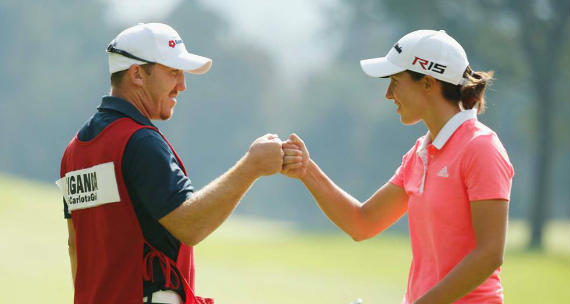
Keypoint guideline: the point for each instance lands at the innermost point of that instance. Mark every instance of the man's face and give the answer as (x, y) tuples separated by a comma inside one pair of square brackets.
[(408, 97), (162, 86)]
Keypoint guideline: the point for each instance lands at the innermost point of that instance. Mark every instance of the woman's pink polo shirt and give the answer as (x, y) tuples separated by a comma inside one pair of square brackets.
[(466, 162)]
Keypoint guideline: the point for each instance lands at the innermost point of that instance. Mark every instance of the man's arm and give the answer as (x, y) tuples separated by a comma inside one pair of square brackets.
[(490, 225), (208, 208), (71, 248), (360, 221)]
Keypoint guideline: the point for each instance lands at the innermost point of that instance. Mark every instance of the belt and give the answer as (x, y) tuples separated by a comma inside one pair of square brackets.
[(163, 297)]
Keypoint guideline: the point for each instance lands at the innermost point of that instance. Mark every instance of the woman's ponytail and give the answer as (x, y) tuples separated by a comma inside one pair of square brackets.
[(468, 95), (473, 89)]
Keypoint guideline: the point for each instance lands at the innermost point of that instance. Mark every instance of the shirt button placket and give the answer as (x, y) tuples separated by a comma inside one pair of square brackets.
[(424, 157)]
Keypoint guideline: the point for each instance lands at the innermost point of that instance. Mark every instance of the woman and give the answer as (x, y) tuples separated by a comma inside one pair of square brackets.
[(454, 182)]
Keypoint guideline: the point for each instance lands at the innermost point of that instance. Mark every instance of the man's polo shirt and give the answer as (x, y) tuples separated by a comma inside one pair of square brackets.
[(466, 162), (153, 177)]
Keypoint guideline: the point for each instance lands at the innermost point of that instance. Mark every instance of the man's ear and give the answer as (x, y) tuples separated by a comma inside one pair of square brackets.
[(134, 75)]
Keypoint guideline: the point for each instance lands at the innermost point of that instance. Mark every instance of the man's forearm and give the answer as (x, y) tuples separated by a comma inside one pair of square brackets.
[(207, 209), (73, 261), (71, 244)]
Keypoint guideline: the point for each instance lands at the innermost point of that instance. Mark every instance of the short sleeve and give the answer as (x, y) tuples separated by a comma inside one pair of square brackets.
[(486, 169), (398, 177), (66, 213), (153, 176)]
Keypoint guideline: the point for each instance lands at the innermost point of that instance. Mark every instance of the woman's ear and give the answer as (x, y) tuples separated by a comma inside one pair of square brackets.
[(429, 83)]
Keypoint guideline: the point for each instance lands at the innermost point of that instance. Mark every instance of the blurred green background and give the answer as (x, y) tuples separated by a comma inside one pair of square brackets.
[(255, 260), (284, 67)]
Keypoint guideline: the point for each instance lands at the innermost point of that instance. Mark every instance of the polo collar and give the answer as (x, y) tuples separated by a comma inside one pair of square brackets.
[(112, 103), (448, 129)]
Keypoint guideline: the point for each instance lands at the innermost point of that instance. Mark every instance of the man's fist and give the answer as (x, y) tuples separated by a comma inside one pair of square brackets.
[(265, 155)]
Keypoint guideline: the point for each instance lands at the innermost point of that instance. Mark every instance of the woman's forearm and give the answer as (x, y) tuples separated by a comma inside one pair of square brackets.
[(473, 270), (359, 220), (341, 208)]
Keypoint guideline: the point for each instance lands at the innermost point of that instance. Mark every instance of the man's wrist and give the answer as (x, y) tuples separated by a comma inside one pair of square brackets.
[(246, 168)]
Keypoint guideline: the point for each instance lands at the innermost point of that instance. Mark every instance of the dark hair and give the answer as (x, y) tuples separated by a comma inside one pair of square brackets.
[(467, 95), (117, 77)]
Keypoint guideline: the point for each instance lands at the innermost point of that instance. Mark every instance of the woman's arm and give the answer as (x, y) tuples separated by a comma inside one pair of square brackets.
[(360, 221), (489, 219)]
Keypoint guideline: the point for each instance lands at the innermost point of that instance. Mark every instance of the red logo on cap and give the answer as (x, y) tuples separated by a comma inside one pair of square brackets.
[(171, 43), (433, 66)]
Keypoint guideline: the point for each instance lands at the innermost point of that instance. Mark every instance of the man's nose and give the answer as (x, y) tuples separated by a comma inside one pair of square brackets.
[(181, 85)]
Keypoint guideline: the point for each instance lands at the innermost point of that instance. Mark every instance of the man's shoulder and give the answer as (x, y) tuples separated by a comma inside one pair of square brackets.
[(147, 138), (97, 123), (147, 145)]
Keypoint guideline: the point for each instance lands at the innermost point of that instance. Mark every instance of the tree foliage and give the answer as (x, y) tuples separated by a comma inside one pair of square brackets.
[(55, 71)]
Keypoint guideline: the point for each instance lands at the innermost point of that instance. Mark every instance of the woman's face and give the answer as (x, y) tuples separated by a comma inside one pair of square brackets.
[(409, 97)]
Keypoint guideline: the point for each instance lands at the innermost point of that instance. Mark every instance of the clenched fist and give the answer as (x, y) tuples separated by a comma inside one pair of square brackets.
[(265, 155), (296, 159)]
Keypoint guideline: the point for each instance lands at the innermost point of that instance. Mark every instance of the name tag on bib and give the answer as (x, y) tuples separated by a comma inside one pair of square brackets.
[(90, 187)]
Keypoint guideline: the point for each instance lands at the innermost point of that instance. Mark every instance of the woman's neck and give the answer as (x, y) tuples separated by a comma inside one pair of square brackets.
[(439, 115)]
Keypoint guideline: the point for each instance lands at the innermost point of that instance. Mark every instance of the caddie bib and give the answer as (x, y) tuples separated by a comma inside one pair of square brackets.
[(112, 255)]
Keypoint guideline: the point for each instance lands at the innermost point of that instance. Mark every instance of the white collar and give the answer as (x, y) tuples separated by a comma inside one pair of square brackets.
[(448, 129)]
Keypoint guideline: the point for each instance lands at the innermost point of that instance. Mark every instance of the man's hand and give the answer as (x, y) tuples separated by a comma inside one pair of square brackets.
[(296, 157), (265, 155)]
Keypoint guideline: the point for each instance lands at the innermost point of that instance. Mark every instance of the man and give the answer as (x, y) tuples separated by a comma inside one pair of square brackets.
[(132, 214)]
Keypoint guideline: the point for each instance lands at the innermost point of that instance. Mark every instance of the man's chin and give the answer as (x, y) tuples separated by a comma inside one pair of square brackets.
[(166, 117)]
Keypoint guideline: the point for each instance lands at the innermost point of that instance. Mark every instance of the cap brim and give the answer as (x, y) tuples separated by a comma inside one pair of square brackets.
[(190, 63), (379, 67)]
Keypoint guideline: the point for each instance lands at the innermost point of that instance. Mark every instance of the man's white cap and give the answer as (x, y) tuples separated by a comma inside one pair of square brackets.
[(427, 52), (153, 43)]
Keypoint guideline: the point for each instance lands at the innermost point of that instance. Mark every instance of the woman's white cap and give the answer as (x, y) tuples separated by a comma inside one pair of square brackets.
[(153, 43), (428, 52)]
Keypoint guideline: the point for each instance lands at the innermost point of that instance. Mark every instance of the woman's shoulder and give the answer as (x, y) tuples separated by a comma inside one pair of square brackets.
[(408, 156), (484, 140), (482, 135), (417, 144)]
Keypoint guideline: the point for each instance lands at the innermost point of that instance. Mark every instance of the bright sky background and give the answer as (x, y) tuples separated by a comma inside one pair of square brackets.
[(294, 31), (126, 12)]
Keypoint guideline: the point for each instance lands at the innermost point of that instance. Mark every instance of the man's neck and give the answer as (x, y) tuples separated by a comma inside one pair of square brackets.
[(135, 98)]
